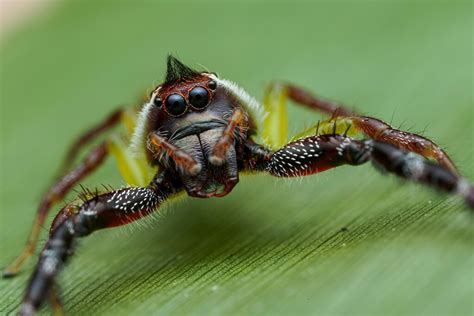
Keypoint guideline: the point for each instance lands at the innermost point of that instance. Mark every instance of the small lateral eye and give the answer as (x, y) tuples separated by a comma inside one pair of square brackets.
[(199, 97), (212, 85), (175, 105), (157, 102)]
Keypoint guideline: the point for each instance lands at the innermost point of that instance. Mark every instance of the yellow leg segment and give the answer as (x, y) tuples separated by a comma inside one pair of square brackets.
[(133, 167), (333, 125), (275, 125)]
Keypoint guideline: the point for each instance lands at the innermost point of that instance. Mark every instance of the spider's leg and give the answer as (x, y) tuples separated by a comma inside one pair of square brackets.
[(111, 209), (228, 137), (56, 193), (133, 168), (319, 153), (275, 124), (346, 119), (314, 102), (164, 149), (107, 124), (383, 132)]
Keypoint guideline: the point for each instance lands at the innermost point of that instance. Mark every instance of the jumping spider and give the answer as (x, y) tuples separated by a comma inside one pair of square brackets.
[(194, 135)]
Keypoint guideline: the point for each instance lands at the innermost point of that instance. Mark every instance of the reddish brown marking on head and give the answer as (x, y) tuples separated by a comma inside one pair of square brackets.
[(184, 90)]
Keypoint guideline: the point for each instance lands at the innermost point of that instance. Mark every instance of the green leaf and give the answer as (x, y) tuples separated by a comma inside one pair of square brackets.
[(347, 241)]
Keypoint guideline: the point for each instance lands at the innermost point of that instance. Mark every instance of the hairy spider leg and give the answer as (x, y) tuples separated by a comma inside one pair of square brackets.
[(132, 166), (54, 194), (317, 103), (87, 137), (315, 154), (131, 162), (133, 169), (181, 159), (228, 137), (275, 124), (383, 132), (344, 120), (111, 209)]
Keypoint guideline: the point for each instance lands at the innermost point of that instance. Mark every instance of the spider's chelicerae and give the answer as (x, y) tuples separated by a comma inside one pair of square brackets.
[(194, 135)]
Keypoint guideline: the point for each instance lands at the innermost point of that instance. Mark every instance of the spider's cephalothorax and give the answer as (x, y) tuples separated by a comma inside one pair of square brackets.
[(195, 134), (196, 128)]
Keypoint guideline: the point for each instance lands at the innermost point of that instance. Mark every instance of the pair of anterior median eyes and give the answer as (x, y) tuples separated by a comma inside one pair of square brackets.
[(198, 98)]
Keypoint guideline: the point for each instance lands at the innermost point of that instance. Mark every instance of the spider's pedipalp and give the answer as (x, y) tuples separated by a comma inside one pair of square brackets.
[(228, 138), (167, 153)]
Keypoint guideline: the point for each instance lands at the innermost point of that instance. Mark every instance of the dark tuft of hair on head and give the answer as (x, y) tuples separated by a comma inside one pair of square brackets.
[(176, 70)]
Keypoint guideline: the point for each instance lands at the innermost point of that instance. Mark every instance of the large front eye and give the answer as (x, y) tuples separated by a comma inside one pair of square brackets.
[(175, 105), (199, 98)]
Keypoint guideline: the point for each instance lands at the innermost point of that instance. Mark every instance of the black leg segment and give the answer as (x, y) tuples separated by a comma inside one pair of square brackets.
[(319, 153), (102, 211)]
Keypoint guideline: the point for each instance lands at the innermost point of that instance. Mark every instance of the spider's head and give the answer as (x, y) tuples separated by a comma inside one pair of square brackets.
[(191, 109), (185, 91)]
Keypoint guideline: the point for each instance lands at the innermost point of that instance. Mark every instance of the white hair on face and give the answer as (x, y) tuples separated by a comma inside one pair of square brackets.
[(250, 103), (137, 140)]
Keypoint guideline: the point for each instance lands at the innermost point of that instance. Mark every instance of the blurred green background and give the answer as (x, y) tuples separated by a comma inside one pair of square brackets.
[(272, 247)]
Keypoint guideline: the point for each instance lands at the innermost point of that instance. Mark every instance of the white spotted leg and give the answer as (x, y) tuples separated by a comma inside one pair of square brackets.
[(315, 154), (106, 210)]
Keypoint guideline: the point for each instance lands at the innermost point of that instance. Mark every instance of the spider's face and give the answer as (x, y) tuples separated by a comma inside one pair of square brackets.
[(188, 95), (191, 110)]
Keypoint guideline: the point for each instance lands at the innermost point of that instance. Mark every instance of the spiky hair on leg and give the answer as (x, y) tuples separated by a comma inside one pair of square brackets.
[(84, 194)]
